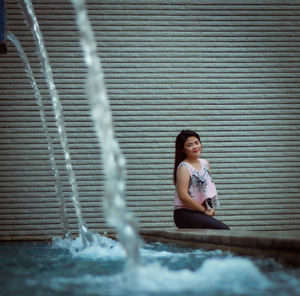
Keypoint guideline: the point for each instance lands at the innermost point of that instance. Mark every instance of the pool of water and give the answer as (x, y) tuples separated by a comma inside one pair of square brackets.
[(35, 268)]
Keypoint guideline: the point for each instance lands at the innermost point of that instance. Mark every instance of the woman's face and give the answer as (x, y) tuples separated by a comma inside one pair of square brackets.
[(192, 147)]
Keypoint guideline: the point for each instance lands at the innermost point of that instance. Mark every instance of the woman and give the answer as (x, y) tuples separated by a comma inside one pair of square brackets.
[(196, 193)]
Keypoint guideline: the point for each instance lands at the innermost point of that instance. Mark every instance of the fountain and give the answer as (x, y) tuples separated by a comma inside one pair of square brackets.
[(113, 161), (58, 184), (96, 261), (112, 158), (32, 23)]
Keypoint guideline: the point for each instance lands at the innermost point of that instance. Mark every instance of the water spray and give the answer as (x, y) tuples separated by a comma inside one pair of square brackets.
[(33, 24), (58, 184), (112, 159)]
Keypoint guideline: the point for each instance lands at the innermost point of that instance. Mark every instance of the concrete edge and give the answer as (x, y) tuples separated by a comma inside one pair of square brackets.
[(283, 246)]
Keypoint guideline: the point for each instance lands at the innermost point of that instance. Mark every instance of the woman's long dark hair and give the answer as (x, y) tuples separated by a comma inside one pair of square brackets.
[(179, 145)]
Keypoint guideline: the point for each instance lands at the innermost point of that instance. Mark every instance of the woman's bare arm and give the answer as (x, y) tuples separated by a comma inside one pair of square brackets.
[(183, 179)]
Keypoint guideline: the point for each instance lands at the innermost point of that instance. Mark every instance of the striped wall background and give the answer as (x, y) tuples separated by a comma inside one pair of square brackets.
[(228, 69)]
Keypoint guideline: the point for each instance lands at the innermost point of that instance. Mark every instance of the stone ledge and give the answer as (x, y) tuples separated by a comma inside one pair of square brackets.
[(283, 246)]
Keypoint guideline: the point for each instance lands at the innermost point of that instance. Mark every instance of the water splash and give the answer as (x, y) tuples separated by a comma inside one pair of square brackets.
[(112, 158), (170, 271), (236, 276), (32, 23), (58, 184), (105, 248)]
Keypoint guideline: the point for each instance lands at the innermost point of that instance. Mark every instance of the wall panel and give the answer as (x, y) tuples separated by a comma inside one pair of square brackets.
[(227, 69)]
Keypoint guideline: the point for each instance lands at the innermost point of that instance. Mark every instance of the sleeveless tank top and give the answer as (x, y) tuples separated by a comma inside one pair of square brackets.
[(201, 186)]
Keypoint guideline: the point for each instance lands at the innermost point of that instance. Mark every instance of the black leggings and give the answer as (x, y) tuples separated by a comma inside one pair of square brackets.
[(184, 218)]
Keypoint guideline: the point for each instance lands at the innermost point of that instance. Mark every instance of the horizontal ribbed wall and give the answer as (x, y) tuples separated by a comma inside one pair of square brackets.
[(231, 71)]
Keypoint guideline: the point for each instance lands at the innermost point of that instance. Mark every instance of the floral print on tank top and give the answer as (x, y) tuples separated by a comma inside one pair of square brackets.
[(199, 180)]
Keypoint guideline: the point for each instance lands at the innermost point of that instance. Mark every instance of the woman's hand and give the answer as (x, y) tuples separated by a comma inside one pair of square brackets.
[(209, 212)]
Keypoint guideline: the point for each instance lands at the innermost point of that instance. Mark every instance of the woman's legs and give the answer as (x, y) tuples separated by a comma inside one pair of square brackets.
[(184, 218)]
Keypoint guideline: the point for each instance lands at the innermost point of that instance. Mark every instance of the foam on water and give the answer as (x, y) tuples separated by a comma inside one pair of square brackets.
[(236, 276), (102, 248), (41, 269), (221, 272)]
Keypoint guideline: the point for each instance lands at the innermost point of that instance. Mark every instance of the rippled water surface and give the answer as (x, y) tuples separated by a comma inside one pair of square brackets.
[(51, 269)]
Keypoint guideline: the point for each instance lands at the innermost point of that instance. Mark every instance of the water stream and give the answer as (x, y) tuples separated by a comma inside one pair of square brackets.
[(58, 184), (113, 161), (33, 24)]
